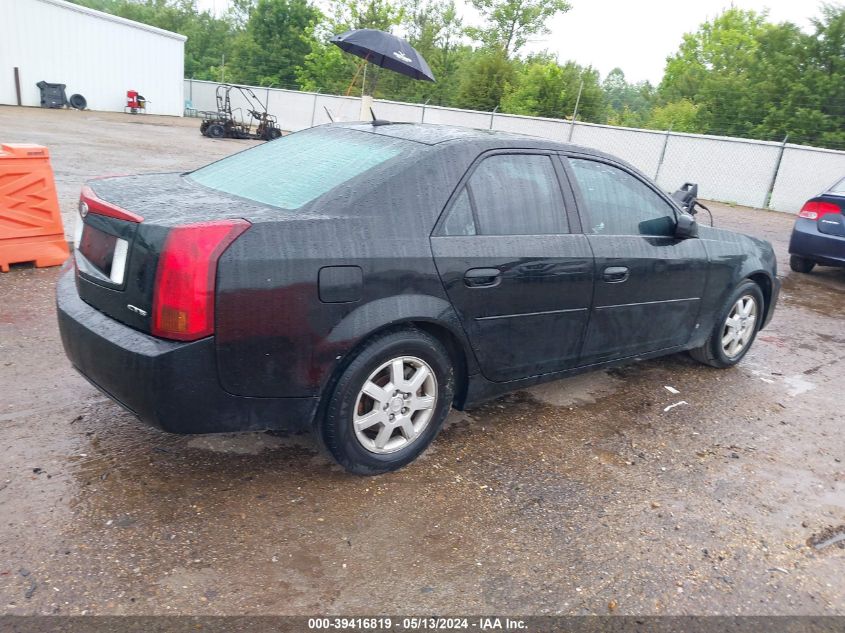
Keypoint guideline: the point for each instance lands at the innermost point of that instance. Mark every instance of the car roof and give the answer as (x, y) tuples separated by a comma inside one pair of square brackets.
[(433, 134)]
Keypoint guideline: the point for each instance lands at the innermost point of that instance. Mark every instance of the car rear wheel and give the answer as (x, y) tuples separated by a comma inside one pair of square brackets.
[(389, 403), (801, 264), (736, 328)]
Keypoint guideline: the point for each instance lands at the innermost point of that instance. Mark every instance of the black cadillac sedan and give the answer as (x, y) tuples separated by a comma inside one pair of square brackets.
[(358, 280)]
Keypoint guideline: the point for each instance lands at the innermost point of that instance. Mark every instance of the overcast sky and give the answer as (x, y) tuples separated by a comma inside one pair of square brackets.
[(636, 35)]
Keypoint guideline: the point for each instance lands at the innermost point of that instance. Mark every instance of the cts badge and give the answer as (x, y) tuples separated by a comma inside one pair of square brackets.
[(136, 310)]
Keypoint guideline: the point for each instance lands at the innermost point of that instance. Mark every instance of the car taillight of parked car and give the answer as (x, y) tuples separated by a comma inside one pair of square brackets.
[(90, 203), (815, 209), (183, 300)]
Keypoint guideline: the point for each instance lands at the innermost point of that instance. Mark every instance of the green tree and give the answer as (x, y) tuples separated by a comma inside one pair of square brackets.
[(274, 43), (435, 30), (627, 104), (751, 78), (328, 69), (509, 23), (822, 116), (712, 69), (484, 79), (679, 116), (545, 88)]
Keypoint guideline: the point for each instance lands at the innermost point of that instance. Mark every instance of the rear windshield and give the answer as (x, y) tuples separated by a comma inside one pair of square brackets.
[(296, 169), (839, 187)]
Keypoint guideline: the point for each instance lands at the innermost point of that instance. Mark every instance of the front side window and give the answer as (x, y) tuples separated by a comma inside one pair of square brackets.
[(620, 204), (296, 169), (510, 194)]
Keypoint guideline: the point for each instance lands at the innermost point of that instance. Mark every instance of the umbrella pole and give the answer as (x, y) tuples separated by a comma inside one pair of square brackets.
[(366, 100), (352, 83)]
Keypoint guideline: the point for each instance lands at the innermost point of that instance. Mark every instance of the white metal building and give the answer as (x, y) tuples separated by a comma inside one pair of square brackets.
[(97, 55)]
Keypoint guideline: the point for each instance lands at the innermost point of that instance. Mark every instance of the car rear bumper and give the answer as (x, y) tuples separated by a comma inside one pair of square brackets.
[(168, 384), (808, 242)]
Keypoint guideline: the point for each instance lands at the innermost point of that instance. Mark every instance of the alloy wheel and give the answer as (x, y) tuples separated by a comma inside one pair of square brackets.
[(395, 405), (740, 326)]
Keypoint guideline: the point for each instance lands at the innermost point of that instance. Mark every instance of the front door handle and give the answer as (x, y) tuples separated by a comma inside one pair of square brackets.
[(615, 274), (482, 277)]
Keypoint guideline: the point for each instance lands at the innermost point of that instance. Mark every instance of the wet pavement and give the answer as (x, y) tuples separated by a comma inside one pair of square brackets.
[(588, 495)]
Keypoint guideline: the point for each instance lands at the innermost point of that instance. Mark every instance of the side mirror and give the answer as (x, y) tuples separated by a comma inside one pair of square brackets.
[(686, 226)]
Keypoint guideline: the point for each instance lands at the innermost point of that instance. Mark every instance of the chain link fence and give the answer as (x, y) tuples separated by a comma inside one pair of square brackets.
[(761, 174)]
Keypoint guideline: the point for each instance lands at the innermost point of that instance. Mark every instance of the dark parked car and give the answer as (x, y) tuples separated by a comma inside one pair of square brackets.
[(359, 279), (818, 236)]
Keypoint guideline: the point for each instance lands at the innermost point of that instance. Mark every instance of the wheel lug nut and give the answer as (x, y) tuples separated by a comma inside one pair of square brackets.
[(392, 417)]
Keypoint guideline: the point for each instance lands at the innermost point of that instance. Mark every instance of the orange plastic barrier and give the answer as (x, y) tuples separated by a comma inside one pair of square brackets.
[(30, 221)]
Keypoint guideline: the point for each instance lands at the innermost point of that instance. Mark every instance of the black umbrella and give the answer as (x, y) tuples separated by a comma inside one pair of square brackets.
[(385, 50)]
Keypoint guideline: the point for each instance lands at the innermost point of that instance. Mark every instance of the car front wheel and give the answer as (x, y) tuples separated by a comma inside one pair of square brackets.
[(389, 403), (735, 329)]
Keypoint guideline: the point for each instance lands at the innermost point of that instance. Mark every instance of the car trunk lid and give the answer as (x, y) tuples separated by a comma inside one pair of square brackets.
[(126, 224), (828, 210)]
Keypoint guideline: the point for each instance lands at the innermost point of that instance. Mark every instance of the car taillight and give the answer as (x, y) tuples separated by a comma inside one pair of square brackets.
[(183, 300), (90, 203), (815, 209)]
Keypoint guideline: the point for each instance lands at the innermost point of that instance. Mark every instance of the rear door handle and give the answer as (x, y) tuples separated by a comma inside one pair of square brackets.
[(615, 274), (482, 277)]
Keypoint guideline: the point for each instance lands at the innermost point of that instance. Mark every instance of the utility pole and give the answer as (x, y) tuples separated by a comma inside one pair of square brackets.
[(663, 152), (575, 112), (768, 201), (223, 69), (314, 108)]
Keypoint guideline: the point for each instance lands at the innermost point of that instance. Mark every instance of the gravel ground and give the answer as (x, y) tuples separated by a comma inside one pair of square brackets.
[(581, 496)]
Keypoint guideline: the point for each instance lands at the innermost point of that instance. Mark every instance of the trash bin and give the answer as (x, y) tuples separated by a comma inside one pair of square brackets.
[(52, 95)]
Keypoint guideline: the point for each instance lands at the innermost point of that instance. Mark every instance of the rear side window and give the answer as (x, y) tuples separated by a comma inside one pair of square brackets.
[(294, 170), (619, 204), (510, 194), (460, 220), (839, 187)]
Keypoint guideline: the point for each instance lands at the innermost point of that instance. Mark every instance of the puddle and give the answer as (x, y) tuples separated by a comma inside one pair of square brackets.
[(240, 443), (576, 391), (821, 293), (797, 384)]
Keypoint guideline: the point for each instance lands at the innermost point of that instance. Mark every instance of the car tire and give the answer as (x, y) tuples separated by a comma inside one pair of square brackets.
[(735, 329), (373, 422), (801, 264)]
